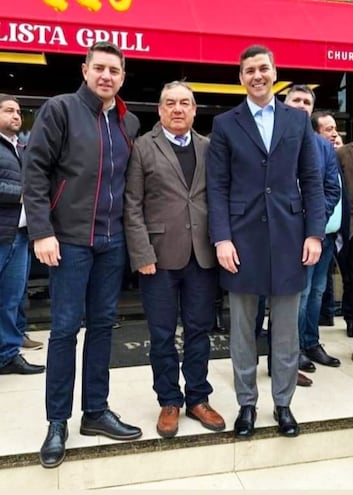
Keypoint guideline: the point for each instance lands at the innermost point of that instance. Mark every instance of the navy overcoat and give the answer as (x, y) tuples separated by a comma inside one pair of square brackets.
[(267, 203)]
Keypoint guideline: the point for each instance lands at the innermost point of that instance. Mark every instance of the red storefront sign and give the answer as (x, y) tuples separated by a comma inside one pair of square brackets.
[(302, 33)]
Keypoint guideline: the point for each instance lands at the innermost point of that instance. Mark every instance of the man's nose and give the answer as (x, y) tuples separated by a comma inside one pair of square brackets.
[(106, 72)]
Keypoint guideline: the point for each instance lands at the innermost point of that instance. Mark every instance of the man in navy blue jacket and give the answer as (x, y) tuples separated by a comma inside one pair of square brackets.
[(301, 96), (13, 242), (267, 220)]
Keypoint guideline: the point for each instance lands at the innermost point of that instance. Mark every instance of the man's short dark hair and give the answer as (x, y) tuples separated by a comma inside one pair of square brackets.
[(304, 88), (5, 97), (318, 115), (254, 50), (107, 47)]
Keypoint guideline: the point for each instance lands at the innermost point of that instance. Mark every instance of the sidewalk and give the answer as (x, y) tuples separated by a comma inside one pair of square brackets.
[(23, 425)]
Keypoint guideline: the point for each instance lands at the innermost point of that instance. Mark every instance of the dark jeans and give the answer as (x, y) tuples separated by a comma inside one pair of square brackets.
[(88, 279), (194, 288), (13, 279), (311, 296)]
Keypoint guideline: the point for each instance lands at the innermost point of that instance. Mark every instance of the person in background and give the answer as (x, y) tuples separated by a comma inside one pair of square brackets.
[(13, 242), (75, 177), (302, 97), (167, 236), (262, 173), (325, 124)]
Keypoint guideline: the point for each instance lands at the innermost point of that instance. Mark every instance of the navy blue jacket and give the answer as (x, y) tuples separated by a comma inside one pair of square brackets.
[(267, 203), (329, 170), (10, 191)]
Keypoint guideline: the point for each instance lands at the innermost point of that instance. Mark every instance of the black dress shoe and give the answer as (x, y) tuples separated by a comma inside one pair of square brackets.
[(326, 321), (287, 425), (349, 328), (52, 452), (20, 366), (305, 364), (319, 355), (109, 425), (244, 425)]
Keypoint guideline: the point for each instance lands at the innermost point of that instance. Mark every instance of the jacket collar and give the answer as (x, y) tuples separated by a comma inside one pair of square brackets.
[(96, 104)]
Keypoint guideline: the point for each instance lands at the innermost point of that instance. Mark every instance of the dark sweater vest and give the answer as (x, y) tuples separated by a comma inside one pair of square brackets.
[(187, 159)]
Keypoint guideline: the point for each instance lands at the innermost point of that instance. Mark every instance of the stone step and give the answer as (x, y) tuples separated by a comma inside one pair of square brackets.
[(143, 461)]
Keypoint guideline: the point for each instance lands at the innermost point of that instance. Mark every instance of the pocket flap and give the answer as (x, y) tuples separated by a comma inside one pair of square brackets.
[(296, 206), (156, 228)]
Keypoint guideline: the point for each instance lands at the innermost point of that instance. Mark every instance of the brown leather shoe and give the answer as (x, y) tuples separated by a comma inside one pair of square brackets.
[(303, 381), (207, 416), (167, 425)]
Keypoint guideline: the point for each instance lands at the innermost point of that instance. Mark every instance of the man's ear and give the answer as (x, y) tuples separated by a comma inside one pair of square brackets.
[(84, 71)]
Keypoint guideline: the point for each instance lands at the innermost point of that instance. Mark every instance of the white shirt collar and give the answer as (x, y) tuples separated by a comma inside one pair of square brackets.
[(171, 137)]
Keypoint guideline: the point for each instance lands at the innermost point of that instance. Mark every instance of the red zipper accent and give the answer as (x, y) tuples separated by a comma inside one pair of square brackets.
[(58, 194)]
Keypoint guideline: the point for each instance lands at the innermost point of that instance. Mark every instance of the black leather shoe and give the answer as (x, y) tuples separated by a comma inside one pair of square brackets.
[(287, 425), (319, 355), (109, 425), (326, 321), (305, 364), (244, 425), (20, 366), (349, 328), (52, 452)]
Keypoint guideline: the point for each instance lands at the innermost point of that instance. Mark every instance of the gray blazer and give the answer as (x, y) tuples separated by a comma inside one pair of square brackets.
[(163, 219)]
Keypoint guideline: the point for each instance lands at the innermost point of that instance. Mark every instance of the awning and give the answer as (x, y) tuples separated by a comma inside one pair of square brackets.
[(308, 34)]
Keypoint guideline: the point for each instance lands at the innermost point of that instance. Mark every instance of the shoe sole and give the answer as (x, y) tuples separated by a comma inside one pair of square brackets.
[(328, 365), (167, 434), (289, 435), (209, 426), (95, 431), (23, 373), (32, 348), (60, 461), (49, 466)]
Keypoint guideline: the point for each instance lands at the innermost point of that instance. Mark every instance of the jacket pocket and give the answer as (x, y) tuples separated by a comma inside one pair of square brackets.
[(296, 206), (155, 228), (237, 208)]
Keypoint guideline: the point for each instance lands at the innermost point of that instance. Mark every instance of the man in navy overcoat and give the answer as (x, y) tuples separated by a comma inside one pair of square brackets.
[(267, 220)]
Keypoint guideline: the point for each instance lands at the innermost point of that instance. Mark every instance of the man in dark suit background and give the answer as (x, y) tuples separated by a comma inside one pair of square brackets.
[(167, 237), (267, 220)]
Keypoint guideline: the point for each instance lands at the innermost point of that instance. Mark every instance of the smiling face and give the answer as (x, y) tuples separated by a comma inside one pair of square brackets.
[(10, 118), (104, 75), (257, 75), (177, 110)]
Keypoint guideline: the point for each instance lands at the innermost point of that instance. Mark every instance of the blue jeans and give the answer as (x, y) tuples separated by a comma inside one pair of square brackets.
[(13, 279), (311, 297), (21, 315), (194, 289), (87, 281)]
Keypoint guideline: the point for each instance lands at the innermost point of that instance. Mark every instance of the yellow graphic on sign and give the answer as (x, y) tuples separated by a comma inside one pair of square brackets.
[(93, 5)]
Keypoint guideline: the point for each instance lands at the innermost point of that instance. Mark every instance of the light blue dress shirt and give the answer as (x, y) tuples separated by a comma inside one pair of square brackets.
[(264, 118)]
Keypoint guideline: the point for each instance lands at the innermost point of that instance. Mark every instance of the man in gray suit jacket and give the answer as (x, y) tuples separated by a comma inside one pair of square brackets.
[(267, 219), (167, 236)]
